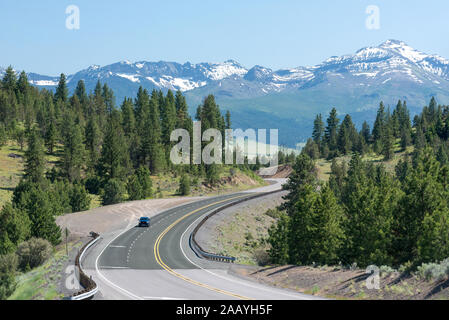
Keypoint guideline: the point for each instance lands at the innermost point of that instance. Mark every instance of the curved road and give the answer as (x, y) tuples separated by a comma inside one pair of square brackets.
[(158, 263)]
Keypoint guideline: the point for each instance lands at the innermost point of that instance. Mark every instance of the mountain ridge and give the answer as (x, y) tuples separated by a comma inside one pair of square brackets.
[(354, 83)]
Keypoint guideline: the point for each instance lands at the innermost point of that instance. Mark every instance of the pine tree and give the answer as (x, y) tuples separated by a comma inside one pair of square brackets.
[(366, 132), (51, 137), (184, 185), (228, 120), (212, 174), (301, 236), (331, 132), (387, 143), (34, 159), (424, 197), (3, 136), (140, 185), (183, 120), (62, 92), (74, 150), (318, 129), (278, 239), (114, 161), (328, 228), (152, 148), (168, 116), (9, 81), (79, 198), (8, 267), (347, 136), (370, 202), (337, 177), (108, 98), (304, 173), (80, 92), (42, 216), (14, 228), (114, 192), (93, 141), (379, 126)]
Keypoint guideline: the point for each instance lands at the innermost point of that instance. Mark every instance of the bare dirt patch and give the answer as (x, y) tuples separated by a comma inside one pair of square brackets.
[(282, 171)]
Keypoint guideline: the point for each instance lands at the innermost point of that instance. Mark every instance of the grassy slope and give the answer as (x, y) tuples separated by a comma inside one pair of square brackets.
[(324, 166), (239, 181), (42, 283), (11, 171)]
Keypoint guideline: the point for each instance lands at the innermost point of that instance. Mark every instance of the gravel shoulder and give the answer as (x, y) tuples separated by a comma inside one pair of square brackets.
[(239, 231)]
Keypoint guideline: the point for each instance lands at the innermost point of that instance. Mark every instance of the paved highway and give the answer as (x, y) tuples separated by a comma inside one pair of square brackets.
[(158, 263)]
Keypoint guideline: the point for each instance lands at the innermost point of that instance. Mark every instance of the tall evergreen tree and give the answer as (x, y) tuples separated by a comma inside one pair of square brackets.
[(74, 151), (331, 132), (35, 159), (9, 81), (318, 129), (114, 161), (62, 92)]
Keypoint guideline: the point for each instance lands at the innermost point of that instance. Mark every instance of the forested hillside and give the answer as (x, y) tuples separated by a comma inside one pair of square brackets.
[(367, 213), (96, 148)]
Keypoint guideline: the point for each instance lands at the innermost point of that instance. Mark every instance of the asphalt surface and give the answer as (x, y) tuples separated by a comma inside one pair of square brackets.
[(158, 262)]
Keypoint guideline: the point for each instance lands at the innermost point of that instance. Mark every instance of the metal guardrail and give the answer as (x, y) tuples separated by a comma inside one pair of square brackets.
[(211, 256), (89, 285)]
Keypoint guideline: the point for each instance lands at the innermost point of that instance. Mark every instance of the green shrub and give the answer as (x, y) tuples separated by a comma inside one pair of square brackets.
[(386, 270), (434, 271), (273, 213), (8, 267), (262, 257), (114, 192), (139, 185), (93, 185), (79, 198), (33, 253), (184, 185)]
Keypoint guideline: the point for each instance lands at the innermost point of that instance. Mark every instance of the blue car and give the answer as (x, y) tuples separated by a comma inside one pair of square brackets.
[(144, 222)]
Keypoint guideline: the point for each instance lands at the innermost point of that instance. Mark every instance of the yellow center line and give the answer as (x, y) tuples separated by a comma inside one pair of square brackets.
[(180, 276)]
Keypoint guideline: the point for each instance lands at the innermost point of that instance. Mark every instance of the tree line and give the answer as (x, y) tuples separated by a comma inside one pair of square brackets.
[(99, 148), (338, 139), (366, 214)]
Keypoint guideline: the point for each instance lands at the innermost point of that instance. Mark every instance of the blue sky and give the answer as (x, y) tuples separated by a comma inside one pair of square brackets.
[(275, 34)]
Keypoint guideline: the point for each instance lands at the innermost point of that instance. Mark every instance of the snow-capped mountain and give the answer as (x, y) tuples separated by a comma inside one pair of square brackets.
[(392, 60), (262, 97)]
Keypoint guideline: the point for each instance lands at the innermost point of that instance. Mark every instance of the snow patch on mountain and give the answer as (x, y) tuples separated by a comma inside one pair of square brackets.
[(392, 62), (224, 70), (46, 83), (130, 77)]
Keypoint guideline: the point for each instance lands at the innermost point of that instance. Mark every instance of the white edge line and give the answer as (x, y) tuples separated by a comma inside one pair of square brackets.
[(126, 229), (230, 279), (129, 294)]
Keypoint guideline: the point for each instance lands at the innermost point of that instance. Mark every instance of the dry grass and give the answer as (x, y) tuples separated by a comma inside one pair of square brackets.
[(324, 166), (11, 170)]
